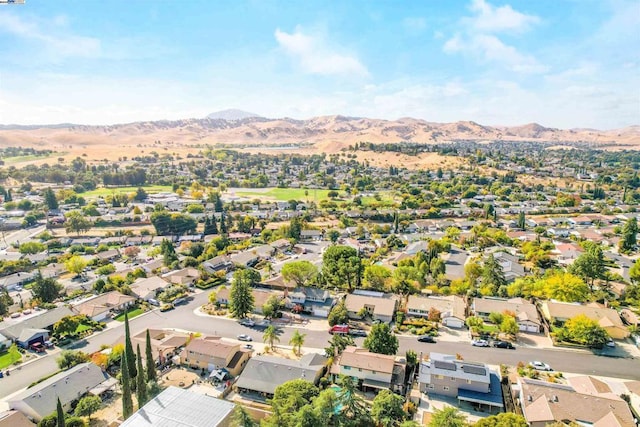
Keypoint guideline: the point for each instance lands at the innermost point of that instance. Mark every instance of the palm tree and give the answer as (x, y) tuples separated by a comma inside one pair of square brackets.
[(270, 336), (297, 340)]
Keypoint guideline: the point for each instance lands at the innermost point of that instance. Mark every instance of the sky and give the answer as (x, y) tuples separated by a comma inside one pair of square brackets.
[(560, 63)]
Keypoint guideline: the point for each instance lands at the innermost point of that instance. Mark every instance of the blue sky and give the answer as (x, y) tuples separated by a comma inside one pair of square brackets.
[(561, 63)]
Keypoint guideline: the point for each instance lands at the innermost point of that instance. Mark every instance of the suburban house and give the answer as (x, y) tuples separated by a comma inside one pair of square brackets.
[(245, 258), (108, 255), (589, 385), (314, 300), (147, 288), (16, 279), (40, 400), (311, 235), (372, 370), (186, 276), (544, 403), (99, 307), (213, 353), (452, 308), (218, 263), (185, 408), (470, 382), (566, 253), (35, 328), (510, 264), (164, 343), (559, 312), (263, 374), (525, 312), (378, 305)]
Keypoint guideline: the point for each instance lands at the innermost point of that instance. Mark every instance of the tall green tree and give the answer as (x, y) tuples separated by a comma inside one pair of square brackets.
[(241, 300), (629, 235), (300, 272), (127, 401), (506, 419), (493, 273), (339, 314), (387, 410), (141, 384), (128, 348), (288, 399), (354, 409), (590, 265), (151, 365), (59, 415), (77, 222), (168, 252), (297, 341), (45, 290), (341, 267), (50, 200), (381, 340), (522, 221), (5, 302), (337, 344), (141, 195), (448, 417)]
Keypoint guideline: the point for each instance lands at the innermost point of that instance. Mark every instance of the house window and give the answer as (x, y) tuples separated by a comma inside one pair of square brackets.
[(468, 381), (347, 368), (452, 378), (374, 372), (440, 377), (445, 388), (359, 369), (431, 386)]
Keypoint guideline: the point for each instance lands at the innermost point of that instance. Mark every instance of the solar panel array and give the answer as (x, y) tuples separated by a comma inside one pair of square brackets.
[(439, 364), (476, 370)]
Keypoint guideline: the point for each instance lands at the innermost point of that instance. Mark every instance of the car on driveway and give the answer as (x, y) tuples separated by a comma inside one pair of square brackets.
[(503, 344), (247, 322), (427, 338), (38, 347), (480, 343), (540, 366), (244, 337)]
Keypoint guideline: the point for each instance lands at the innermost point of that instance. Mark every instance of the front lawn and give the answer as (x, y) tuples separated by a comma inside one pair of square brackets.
[(82, 327), (132, 313), (9, 357)]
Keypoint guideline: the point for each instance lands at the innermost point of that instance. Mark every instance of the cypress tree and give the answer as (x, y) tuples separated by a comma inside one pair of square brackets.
[(223, 225), (141, 386), (127, 403), (59, 415), (128, 348), (151, 364)]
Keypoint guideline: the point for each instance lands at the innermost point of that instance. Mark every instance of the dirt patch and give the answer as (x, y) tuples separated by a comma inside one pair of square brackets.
[(179, 378)]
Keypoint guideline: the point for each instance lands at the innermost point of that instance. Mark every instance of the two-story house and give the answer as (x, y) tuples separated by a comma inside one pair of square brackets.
[(372, 370), (471, 382), (452, 309), (213, 353), (376, 304)]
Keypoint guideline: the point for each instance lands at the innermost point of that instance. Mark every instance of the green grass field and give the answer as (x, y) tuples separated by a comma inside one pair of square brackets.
[(103, 192), (132, 313), (285, 194), (6, 359)]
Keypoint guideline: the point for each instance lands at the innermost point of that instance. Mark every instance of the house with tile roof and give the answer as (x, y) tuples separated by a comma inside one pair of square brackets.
[(377, 304), (99, 307), (213, 353), (559, 312), (544, 403)]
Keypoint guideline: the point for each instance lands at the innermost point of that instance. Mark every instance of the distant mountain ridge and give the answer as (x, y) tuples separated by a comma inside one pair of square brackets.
[(327, 133)]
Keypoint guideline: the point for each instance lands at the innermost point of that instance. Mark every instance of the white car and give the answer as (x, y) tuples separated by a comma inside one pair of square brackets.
[(610, 343), (480, 343), (540, 366), (244, 337)]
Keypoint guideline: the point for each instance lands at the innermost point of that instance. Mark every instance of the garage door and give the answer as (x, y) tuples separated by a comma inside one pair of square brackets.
[(39, 339), (529, 328), (453, 323), (320, 312)]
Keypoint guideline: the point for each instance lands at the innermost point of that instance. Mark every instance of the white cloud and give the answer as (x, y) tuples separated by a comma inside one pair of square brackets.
[(477, 39), (494, 19), (316, 57), (51, 35)]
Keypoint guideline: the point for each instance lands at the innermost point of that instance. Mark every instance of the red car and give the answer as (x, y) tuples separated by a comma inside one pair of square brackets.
[(38, 347)]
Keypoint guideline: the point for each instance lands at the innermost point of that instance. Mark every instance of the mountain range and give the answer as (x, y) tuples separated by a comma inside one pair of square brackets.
[(328, 133)]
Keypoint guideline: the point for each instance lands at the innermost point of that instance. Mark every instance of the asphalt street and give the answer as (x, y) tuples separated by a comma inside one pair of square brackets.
[(184, 318)]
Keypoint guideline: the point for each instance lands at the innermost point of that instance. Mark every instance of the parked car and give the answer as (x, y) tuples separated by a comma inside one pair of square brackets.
[(248, 346), (358, 332), (503, 344), (247, 322), (166, 307), (154, 302), (610, 343), (540, 366), (38, 347), (480, 343), (179, 301), (48, 344), (244, 337), (427, 338)]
